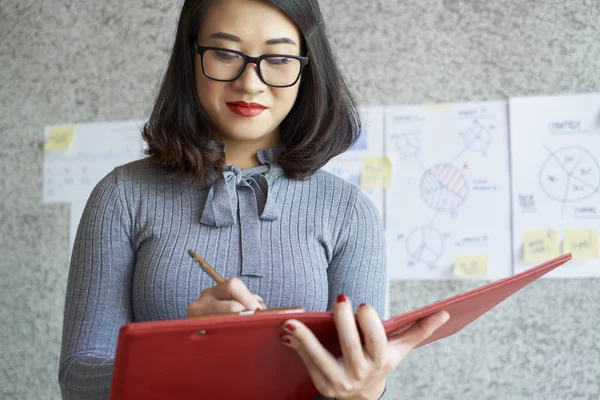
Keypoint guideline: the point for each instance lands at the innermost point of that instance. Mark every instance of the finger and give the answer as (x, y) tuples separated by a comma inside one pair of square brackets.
[(345, 323), (261, 302), (321, 383), (220, 306), (234, 289), (420, 331), (306, 342), (373, 333), (199, 308)]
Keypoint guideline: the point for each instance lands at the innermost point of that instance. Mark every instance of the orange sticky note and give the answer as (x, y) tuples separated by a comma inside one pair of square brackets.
[(582, 243), (540, 245), (376, 173), (471, 266), (60, 137)]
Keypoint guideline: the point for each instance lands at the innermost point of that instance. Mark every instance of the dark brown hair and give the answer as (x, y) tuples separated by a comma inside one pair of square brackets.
[(322, 124)]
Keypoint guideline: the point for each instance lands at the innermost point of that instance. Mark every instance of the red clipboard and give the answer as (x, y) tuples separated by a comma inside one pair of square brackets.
[(241, 357)]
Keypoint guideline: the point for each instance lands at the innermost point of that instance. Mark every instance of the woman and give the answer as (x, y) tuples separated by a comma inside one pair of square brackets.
[(236, 139)]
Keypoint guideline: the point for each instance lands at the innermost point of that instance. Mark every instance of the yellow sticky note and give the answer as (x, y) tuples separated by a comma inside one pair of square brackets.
[(471, 266), (540, 245), (438, 106), (60, 137), (376, 173), (582, 243)]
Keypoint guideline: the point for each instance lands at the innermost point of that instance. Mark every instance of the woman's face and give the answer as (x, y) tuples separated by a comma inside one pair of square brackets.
[(254, 28)]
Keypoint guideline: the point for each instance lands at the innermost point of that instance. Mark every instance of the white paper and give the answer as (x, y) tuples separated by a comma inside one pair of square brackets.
[(370, 144), (555, 151), (451, 191), (96, 149)]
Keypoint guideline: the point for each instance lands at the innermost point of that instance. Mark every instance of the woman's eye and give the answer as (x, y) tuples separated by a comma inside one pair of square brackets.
[(226, 56), (279, 60)]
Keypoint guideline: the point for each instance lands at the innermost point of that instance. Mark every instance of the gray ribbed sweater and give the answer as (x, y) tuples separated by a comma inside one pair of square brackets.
[(293, 242)]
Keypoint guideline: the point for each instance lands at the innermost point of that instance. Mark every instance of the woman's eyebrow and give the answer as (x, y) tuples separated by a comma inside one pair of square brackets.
[(226, 36), (233, 38), (282, 40)]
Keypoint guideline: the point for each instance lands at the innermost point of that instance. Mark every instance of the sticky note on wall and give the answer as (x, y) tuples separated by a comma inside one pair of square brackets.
[(376, 173), (60, 137), (471, 266), (438, 106), (582, 243), (540, 245)]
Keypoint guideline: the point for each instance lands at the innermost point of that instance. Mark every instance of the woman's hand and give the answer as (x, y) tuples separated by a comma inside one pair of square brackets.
[(229, 296), (361, 372)]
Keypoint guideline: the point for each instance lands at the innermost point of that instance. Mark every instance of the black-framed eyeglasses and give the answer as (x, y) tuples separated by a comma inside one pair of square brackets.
[(226, 65)]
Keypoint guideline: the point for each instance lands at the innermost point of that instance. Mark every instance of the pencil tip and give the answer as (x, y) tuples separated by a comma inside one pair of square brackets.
[(191, 253)]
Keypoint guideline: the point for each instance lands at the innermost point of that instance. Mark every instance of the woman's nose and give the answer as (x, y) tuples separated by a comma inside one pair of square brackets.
[(250, 80)]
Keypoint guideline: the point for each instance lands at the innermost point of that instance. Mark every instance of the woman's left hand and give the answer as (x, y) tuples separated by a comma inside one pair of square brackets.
[(361, 372)]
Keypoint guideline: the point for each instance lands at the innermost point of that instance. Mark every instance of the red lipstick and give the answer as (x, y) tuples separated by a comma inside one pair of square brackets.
[(246, 109)]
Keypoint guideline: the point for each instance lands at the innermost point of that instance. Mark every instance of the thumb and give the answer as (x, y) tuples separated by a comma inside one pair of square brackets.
[(420, 331)]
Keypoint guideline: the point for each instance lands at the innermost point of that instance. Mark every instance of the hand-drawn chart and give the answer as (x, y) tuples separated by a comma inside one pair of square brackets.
[(425, 244), (570, 174), (555, 153), (407, 145), (444, 188), (450, 189)]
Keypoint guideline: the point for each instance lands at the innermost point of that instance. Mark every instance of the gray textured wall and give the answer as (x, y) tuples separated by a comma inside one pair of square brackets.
[(87, 60)]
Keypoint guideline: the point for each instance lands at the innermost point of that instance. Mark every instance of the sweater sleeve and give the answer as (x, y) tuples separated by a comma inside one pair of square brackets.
[(98, 296), (358, 267)]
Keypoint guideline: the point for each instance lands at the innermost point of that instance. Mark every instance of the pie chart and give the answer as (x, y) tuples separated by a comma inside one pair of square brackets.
[(424, 244), (444, 188), (477, 138), (570, 174), (407, 145)]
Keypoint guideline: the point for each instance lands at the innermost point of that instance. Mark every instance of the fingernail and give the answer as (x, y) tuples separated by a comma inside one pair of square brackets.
[(362, 305), (341, 298), (286, 340), (290, 327)]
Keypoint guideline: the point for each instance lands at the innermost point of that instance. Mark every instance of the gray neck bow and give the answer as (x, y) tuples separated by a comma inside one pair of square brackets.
[(248, 193)]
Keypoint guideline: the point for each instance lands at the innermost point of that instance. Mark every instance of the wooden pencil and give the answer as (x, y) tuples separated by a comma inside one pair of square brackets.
[(206, 267)]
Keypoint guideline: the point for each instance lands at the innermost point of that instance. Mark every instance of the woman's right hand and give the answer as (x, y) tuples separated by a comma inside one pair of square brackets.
[(228, 296)]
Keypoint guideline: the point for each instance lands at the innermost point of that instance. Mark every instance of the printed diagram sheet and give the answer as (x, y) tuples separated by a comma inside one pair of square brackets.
[(555, 151), (448, 210), (77, 157), (368, 147)]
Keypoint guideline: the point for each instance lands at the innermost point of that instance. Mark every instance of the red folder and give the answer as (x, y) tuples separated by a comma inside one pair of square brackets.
[(241, 357)]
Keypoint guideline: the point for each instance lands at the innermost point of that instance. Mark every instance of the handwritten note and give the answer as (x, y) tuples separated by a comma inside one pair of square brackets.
[(60, 137), (471, 266), (376, 173), (582, 243), (540, 245)]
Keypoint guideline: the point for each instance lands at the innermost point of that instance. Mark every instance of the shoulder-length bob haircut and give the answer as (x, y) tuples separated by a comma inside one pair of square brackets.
[(323, 123)]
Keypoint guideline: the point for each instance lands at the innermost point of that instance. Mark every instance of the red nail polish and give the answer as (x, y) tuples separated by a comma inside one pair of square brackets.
[(362, 305), (286, 340), (290, 327), (341, 298)]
